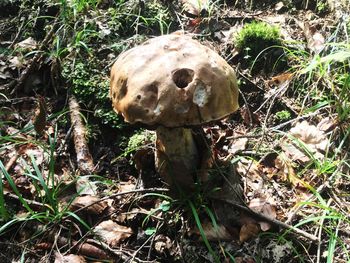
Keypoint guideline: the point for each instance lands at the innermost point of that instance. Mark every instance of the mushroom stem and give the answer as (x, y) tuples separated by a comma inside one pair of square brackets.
[(177, 157)]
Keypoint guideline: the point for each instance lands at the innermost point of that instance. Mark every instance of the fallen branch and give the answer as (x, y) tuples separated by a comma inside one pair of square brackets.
[(271, 220), (84, 158)]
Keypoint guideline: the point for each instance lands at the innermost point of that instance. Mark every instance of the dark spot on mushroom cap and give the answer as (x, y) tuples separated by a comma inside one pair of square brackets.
[(182, 77), (123, 84), (153, 88), (138, 97)]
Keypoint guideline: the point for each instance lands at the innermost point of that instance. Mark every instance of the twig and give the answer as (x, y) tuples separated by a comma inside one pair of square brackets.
[(84, 158), (18, 34), (123, 193), (271, 220), (138, 250), (152, 241), (11, 162), (14, 158), (32, 203), (118, 253)]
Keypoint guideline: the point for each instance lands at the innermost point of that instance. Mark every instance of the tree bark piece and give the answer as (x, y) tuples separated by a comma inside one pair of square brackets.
[(84, 158)]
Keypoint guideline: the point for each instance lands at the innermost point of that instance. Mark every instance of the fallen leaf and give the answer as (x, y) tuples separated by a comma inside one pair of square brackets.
[(279, 7), (39, 118), (281, 79), (70, 258), (261, 206), (239, 144), (112, 233), (315, 40), (28, 43), (286, 171), (214, 233), (293, 152), (15, 63), (250, 172), (327, 124), (162, 244), (5, 75), (248, 231), (311, 136), (249, 118), (92, 203), (86, 187)]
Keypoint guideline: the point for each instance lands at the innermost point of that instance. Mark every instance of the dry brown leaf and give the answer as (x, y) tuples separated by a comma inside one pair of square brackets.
[(249, 117), (39, 118), (315, 40), (15, 63), (162, 244), (327, 124), (86, 187), (238, 145), (286, 171), (112, 233), (281, 79), (29, 43), (312, 137), (261, 206), (70, 258), (195, 7), (94, 206), (294, 153), (214, 233), (250, 172), (248, 231)]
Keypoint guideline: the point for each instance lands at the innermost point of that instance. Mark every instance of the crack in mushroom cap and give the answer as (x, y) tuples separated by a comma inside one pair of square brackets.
[(173, 80)]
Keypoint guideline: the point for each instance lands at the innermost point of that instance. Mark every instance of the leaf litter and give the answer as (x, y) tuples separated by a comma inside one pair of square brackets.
[(271, 187)]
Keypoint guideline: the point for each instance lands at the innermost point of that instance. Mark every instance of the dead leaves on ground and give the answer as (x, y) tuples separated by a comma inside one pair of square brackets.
[(305, 142), (275, 177), (112, 233)]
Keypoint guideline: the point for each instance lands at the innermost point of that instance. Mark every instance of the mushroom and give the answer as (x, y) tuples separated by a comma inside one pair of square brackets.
[(173, 83)]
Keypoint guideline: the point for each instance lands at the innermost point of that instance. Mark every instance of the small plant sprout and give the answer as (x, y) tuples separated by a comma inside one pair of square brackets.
[(283, 115)]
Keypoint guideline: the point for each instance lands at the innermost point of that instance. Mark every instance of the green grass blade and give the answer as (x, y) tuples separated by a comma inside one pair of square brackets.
[(81, 221), (7, 225), (201, 231), (48, 192), (14, 188), (3, 212)]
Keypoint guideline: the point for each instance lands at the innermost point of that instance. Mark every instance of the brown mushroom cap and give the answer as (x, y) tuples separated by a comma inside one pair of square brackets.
[(174, 81)]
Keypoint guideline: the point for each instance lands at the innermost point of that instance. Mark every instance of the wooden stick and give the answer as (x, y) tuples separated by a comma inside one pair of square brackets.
[(84, 158)]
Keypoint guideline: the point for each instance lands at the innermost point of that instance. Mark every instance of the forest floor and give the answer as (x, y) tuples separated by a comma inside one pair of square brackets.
[(78, 184)]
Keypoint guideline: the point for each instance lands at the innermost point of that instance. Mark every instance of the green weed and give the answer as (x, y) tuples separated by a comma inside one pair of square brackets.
[(92, 89), (283, 115), (47, 191)]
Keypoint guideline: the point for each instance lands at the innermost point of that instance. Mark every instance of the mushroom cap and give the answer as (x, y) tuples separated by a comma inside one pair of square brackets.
[(174, 81)]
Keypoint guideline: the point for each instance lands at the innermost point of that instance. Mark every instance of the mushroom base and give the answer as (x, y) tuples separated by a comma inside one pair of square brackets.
[(177, 157)]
